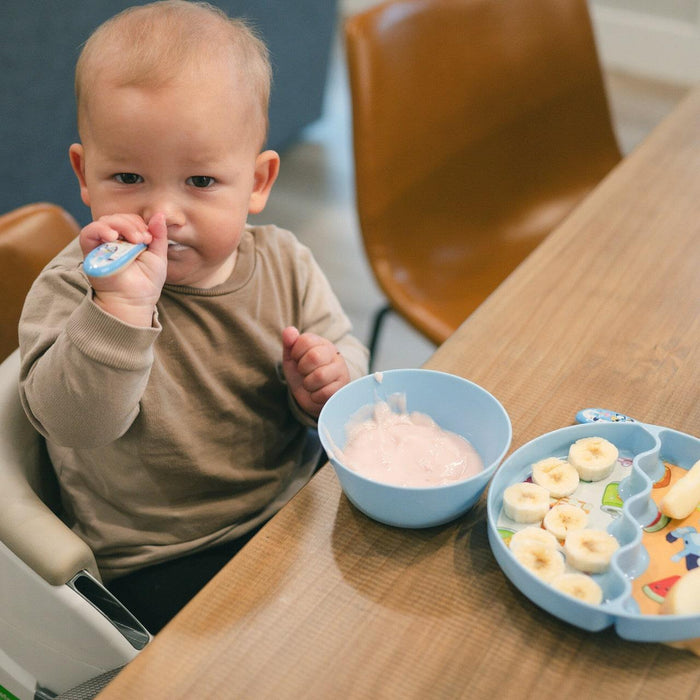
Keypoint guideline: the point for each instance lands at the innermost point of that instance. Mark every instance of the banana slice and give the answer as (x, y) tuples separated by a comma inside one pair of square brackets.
[(556, 475), (565, 518), (579, 586), (525, 502), (544, 560), (593, 457), (589, 550), (684, 599), (684, 496), (534, 535)]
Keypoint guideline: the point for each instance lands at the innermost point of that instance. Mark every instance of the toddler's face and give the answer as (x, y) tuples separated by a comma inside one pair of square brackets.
[(188, 150)]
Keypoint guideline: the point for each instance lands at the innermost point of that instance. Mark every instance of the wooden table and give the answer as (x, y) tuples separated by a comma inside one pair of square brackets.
[(325, 603)]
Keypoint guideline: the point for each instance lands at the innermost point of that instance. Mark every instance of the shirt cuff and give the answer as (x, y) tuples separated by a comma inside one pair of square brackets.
[(109, 341)]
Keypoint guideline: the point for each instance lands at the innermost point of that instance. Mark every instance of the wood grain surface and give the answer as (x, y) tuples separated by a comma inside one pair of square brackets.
[(325, 603)]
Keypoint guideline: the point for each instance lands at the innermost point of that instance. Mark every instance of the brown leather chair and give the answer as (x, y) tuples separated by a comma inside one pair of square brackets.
[(29, 238), (478, 125)]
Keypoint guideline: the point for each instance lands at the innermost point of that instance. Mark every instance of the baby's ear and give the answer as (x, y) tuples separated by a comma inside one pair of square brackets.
[(76, 153), (267, 166)]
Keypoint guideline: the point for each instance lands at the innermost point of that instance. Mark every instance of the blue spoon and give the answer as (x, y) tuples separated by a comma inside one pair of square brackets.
[(109, 258)]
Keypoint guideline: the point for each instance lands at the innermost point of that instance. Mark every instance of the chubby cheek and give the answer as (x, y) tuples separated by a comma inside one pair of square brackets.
[(220, 232), (219, 243), (102, 202), (99, 208), (213, 249)]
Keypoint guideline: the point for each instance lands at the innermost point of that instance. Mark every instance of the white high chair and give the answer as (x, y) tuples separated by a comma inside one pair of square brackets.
[(59, 626)]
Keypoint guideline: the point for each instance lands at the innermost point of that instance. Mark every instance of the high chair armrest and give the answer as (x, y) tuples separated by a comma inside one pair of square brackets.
[(39, 538), (28, 527)]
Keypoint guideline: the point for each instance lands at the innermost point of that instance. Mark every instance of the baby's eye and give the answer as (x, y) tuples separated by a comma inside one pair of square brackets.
[(200, 181), (128, 178)]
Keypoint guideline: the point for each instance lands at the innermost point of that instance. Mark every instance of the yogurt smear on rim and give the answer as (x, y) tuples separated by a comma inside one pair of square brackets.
[(407, 449)]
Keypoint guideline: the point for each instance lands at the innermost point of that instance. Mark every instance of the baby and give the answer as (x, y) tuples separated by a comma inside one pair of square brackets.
[(176, 395)]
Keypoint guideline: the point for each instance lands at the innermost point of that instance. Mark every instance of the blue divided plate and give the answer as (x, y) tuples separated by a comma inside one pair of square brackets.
[(643, 449)]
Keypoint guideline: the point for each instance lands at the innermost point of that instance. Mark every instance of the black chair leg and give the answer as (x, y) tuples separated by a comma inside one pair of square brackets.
[(374, 338)]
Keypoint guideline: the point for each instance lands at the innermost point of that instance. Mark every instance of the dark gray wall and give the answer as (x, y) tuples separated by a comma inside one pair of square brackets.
[(39, 44)]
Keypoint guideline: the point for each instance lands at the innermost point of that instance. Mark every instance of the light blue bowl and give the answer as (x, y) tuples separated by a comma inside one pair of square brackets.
[(455, 404)]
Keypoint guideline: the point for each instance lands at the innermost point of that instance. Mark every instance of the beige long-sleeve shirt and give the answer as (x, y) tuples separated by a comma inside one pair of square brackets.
[(172, 438)]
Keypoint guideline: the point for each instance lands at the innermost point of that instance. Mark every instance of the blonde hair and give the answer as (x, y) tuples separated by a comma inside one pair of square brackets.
[(150, 45)]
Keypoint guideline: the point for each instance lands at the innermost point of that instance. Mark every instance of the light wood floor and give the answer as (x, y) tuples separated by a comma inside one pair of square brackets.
[(314, 197)]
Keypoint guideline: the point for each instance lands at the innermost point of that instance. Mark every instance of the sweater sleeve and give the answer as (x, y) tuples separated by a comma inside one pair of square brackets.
[(83, 371), (322, 314)]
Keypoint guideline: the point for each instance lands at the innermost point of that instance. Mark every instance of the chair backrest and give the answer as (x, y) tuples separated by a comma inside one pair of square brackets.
[(474, 121), (432, 78), (29, 238)]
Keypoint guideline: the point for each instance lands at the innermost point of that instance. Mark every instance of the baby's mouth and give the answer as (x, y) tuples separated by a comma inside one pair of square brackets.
[(174, 246)]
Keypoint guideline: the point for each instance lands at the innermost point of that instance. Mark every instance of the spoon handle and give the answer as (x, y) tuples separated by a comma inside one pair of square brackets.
[(595, 415), (109, 258)]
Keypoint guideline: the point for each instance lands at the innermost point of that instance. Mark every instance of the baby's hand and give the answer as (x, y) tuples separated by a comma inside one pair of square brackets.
[(130, 294), (313, 368)]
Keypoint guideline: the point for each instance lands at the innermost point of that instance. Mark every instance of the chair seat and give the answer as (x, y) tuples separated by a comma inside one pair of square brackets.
[(474, 222)]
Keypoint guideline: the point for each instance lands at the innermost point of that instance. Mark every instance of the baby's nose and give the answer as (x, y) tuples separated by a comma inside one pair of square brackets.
[(168, 205)]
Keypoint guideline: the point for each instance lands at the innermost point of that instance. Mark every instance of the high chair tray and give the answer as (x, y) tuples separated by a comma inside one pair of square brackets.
[(654, 550)]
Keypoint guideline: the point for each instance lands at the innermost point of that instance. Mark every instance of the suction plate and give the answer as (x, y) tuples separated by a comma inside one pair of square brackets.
[(654, 550)]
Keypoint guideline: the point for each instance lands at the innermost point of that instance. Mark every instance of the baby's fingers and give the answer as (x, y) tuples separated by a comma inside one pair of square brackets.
[(313, 354), (327, 378), (158, 232), (107, 229), (321, 395)]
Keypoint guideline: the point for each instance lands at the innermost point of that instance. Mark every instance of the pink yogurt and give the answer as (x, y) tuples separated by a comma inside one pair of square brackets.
[(407, 449)]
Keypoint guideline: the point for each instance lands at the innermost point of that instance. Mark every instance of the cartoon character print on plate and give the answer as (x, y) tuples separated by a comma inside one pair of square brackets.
[(673, 546)]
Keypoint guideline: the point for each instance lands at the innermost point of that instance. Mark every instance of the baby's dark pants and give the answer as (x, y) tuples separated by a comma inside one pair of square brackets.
[(156, 593)]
